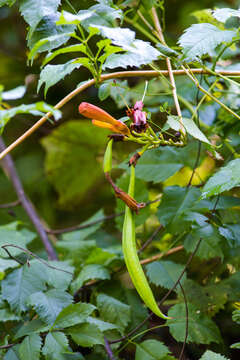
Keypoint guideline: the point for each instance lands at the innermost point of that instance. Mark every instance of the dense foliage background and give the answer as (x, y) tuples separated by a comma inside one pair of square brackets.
[(76, 300)]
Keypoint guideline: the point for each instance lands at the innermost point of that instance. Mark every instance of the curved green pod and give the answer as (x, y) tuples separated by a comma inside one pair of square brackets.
[(131, 257), (107, 161)]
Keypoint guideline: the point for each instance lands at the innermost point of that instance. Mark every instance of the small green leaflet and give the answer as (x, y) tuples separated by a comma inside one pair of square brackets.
[(224, 14), (201, 39), (67, 49), (225, 179), (7, 2), (66, 18), (86, 335), (51, 74), (14, 94), (55, 344), (151, 350), (189, 125), (30, 347), (210, 355), (37, 109), (89, 272), (73, 314), (101, 14)]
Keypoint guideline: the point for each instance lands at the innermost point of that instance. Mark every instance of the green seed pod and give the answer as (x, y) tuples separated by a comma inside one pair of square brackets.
[(107, 161), (131, 257)]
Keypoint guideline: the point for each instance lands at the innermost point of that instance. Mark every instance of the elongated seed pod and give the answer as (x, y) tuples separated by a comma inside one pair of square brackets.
[(107, 161), (131, 258)]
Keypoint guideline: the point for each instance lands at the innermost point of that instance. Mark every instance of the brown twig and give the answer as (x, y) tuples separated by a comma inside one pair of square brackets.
[(9, 205), (159, 33), (10, 170), (7, 346), (87, 84)]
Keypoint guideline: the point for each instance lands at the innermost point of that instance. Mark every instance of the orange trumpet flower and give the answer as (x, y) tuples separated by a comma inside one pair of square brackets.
[(102, 119)]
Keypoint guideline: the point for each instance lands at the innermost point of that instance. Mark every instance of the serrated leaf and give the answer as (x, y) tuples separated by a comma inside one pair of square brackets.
[(86, 335), (11, 234), (47, 27), (225, 179), (90, 272), (51, 42), (189, 125), (37, 109), (164, 273), (73, 314), (151, 350), (33, 11), (113, 311), (157, 165), (55, 344), (12, 353), (49, 304), (66, 149), (33, 326), (138, 52), (194, 43), (21, 283), (224, 14), (210, 245), (201, 329), (102, 325), (101, 14), (210, 355), (176, 203), (57, 278), (52, 74), (30, 347)]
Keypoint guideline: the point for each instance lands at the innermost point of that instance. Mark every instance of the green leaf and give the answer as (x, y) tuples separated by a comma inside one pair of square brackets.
[(90, 272), (30, 347), (86, 335), (157, 165), (12, 353), (33, 326), (102, 325), (224, 14), (52, 74), (175, 204), (139, 311), (73, 314), (66, 149), (225, 179), (151, 350), (56, 278), (8, 315), (11, 234), (164, 273), (101, 14), (194, 43), (51, 42), (55, 344), (47, 27), (65, 50), (201, 329), (49, 304), (37, 109), (210, 355), (189, 125), (113, 311), (21, 283), (167, 51), (235, 346), (210, 245), (138, 52), (33, 11), (14, 94)]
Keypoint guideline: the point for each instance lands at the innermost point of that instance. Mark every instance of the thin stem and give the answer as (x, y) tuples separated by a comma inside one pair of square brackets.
[(108, 349), (150, 239), (170, 71), (221, 53), (141, 29), (10, 170), (87, 84), (210, 95), (9, 205)]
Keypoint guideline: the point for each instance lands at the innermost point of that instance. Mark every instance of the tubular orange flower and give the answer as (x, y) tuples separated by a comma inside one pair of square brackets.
[(102, 119)]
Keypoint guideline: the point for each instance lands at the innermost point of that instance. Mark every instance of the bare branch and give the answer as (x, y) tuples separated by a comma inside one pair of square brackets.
[(9, 205), (87, 84), (10, 170)]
